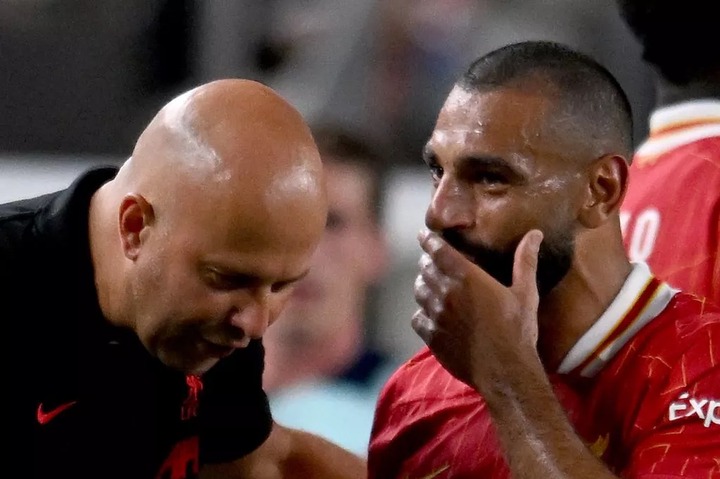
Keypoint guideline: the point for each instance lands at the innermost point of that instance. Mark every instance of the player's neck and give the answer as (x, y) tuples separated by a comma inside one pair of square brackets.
[(568, 311), (668, 94), (101, 247)]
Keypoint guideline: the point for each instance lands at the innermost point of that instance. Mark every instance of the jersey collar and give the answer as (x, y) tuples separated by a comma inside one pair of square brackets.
[(641, 299)]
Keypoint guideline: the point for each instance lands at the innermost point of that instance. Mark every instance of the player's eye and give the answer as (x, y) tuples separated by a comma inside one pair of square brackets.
[(436, 171), (490, 178)]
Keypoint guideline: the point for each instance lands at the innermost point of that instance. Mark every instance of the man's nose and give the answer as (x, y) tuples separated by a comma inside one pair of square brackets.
[(451, 207), (252, 317)]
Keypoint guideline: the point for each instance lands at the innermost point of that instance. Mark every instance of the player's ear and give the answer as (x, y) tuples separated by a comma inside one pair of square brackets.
[(134, 216), (607, 182)]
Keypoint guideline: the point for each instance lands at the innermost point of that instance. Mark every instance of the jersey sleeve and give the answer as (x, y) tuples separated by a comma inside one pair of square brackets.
[(234, 412), (681, 422)]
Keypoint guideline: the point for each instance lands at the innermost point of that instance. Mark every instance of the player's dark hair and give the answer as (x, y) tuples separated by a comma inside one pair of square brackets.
[(576, 83), (679, 38)]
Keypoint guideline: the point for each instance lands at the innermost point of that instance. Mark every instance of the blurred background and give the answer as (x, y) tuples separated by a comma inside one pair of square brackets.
[(79, 80)]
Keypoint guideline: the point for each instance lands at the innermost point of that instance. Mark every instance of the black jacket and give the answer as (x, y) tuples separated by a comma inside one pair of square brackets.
[(91, 401)]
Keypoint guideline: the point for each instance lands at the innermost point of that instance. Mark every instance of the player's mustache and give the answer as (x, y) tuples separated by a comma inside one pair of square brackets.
[(478, 252), (497, 263)]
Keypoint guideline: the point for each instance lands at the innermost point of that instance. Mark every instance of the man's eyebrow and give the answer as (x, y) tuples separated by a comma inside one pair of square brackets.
[(475, 161), (471, 160), (482, 160)]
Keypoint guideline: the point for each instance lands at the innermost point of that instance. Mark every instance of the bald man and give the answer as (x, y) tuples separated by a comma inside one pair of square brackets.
[(139, 297)]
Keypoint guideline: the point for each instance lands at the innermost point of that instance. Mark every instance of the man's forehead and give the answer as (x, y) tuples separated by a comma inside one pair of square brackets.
[(514, 114), (493, 104), (460, 98)]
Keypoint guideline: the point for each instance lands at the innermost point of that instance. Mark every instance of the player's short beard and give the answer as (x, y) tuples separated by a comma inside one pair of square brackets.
[(554, 259)]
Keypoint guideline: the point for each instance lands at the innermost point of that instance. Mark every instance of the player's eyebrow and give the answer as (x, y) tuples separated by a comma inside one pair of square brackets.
[(428, 155), (476, 161), (484, 161)]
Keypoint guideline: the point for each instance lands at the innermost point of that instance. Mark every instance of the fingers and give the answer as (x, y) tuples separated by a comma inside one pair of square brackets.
[(444, 270), (447, 259), (424, 326), (431, 286), (424, 296), (526, 263)]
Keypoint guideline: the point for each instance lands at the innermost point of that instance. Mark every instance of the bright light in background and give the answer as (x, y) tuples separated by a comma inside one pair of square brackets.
[(407, 197), (24, 177)]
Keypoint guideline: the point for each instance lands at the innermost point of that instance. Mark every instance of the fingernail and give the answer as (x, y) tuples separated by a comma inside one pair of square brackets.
[(536, 240), (434, 243)]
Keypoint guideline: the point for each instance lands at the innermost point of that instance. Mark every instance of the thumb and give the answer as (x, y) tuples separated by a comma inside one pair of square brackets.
[(526, 264)]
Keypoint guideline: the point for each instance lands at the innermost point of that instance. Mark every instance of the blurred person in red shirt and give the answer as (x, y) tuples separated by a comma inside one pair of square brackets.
[(671, 214)]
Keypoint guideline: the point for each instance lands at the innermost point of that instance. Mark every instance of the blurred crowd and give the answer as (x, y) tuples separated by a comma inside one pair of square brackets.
[(83, 77)]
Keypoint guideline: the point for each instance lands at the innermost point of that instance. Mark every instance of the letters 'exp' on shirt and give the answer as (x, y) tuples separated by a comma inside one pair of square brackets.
[(641, 387)]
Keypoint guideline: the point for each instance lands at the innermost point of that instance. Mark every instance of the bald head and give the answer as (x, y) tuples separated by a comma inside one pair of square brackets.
[(220, 207), (232, 145), (219, 132)]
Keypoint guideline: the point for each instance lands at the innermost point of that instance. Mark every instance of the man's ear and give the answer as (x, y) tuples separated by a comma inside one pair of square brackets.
[(607, 183), (135, 215)]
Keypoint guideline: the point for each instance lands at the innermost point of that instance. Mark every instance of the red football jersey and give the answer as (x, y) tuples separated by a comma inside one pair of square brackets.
[(641, 387), (671, 213)]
